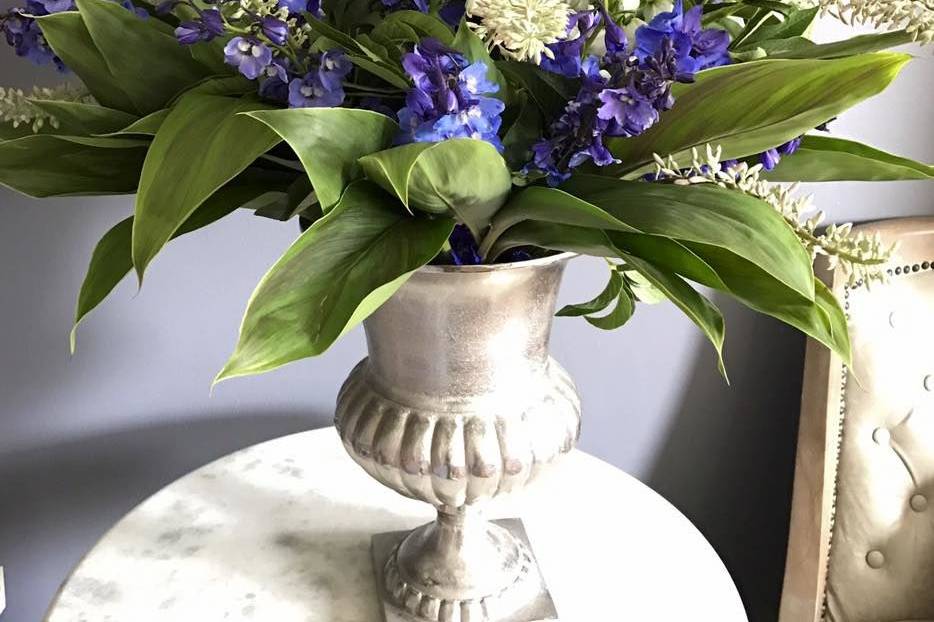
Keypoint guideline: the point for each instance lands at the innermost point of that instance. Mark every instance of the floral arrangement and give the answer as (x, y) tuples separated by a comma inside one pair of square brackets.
[(399, 133)]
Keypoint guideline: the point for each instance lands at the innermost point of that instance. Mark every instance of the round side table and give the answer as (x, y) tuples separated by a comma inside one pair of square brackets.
[(280, 532)]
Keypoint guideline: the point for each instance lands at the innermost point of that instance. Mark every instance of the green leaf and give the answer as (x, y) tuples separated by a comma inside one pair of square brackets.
[(147, 126), (755, 23), (770, 102), (548, 96), (694, 215), (299, 198), (43, 165), (795, 25), (329, 141), (821, 158), (423, 25), (460, 177), (68, 36), (621, 313), (380, 71), (595, 242), (603, 300), (201, 145), (223, 85), (862, 44), (9, 132), (836, 317), (522, 134), (112, 259), (772, 48), (704, 263), (337, 273), (82, 119), (143, 55)]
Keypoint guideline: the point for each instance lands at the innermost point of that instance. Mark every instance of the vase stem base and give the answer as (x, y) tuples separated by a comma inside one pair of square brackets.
[(531, 601)]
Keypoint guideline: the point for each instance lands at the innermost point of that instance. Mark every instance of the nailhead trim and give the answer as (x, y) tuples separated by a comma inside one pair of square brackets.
[(906, 270)]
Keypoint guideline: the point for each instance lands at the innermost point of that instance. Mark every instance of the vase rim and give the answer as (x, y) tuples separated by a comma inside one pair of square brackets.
[(499, 267)]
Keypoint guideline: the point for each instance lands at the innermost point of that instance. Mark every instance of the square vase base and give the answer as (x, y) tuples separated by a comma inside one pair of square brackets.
[(541, 607)]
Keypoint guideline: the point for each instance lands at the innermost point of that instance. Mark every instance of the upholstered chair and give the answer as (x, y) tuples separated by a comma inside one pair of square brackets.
[(861, 546)]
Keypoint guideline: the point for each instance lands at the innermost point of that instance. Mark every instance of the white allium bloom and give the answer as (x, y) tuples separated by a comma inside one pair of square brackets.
[(522, 28)]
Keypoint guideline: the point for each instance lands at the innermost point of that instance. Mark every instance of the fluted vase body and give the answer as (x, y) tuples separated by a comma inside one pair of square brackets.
[(458, 402)]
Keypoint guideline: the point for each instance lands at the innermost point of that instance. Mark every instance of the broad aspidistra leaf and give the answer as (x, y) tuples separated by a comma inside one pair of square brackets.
[(460, 177), (143, 55), (112, 259), (202, 144), (822, 158), (329, 141), (332, 277), (769, 103), (43, 165)]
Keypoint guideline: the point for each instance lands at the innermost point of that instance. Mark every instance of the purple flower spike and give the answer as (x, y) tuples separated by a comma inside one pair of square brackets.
[(567, 53), (249, 56), (209, 26), (696, 48), (770, 159), (464, 248), (627, 110), (449, 99), (275, 30), (48, 7), (324, 86), (23, 34), (791, 146)]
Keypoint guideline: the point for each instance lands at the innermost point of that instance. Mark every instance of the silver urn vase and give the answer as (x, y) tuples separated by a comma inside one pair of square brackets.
[(457, 403)]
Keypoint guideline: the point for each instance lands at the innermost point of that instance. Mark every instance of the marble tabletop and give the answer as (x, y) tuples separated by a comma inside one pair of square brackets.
[(280, 532)]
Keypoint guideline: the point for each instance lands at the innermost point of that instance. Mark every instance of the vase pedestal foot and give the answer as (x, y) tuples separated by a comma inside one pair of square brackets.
[(406, 597)]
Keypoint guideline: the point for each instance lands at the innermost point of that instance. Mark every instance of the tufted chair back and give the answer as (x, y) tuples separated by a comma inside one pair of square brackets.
[(861, 546)]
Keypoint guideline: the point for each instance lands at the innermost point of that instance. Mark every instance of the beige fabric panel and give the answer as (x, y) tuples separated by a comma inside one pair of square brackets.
[(862, 542)]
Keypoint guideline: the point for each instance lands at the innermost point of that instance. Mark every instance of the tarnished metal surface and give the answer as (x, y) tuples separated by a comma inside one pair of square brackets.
[(459, 402)]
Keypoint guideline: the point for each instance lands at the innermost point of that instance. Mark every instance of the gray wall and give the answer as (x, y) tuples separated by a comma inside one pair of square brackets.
[(84, 438)]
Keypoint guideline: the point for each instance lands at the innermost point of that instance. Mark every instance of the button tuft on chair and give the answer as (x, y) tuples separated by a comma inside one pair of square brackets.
[(893, 319), (929, 383), (875, 559), (882, 436), (919, 503)]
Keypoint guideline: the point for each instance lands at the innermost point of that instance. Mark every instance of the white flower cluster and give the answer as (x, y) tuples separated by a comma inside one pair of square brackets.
[(262, 8), (861, 257), (17, 109), (522, 28), (915, 16)]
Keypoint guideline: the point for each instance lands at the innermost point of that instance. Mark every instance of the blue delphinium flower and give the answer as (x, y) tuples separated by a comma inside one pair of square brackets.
[(322, 86), (620, 96), (450, 97), (696, 48), (210, 24), (22, 32), (567, 54), (47, 7), (275, 29), (771, 157), (248, 55), (464, 248), (275, 85), (297, 7)]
